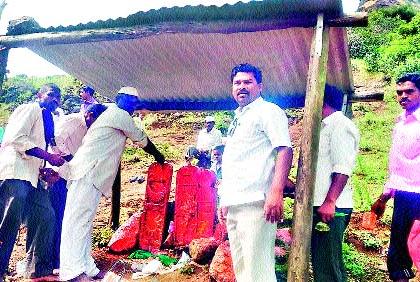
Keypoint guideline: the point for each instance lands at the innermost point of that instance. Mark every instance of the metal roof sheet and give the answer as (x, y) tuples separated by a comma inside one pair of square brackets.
[(186, 66)]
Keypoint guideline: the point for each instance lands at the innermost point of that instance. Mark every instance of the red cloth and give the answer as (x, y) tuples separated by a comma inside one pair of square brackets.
[(414, 243)]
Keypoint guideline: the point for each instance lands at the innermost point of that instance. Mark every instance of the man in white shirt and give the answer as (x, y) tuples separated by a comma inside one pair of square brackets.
[(30, 130), (208, 138), (86, 94), (91, 174), (46, 211), (333, 203), (256, 162)]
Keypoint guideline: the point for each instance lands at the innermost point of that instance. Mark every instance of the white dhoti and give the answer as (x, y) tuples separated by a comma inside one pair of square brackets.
[(76, 237), (251, 240)]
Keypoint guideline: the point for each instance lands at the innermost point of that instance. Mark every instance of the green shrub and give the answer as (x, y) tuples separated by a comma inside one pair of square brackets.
[(369, 241), (101, 236), (354, 261), (223, 120), (4, 114), (389, 40), (187, 269)]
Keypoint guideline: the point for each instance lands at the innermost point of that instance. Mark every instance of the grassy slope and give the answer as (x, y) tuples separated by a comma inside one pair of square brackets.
[(375, 122)]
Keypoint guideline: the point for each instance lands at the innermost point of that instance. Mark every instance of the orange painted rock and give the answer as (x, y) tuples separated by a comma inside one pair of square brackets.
[(202, 250), (220, 233), (152, 221), (125, 238), (221, 268), (195, 204)]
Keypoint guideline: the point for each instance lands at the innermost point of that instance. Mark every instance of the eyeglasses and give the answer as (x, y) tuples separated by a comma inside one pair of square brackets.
[(232, 127)]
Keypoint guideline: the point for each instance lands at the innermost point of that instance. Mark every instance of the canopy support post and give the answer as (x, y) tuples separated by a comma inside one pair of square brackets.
[(302, 215), (4, 54), (114, 221)]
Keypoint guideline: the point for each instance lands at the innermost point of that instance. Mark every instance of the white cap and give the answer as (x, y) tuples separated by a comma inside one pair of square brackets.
[(129, 91), (209, 119)]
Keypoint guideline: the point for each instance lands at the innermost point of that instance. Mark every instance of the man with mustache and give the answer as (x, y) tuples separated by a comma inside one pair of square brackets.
[(256, 162), (45, 208), (404, 177), (29, 132), (86, 94)]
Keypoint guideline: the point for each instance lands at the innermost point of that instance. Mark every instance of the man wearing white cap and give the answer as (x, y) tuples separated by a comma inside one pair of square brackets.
[(91, 174), (208, 138)]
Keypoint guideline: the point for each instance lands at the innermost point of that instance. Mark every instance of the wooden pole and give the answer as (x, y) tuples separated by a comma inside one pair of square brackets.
[(114, 220), (302, 216), (367, 96), (4, 54), (2, 5), (143, 31), (347, 103)]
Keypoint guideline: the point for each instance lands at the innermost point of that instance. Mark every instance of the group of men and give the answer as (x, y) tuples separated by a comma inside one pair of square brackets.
[(257, 158), (87, 148)]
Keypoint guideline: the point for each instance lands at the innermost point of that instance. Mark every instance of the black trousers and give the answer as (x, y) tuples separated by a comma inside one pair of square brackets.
[(406, 210), (13, 195), (40, 222)]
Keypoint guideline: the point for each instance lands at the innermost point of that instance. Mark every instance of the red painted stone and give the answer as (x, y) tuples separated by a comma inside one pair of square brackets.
[(152, 221), (195, 204), (202, 250), (125, 238), (206, 204), (220, 233), (221, 267)]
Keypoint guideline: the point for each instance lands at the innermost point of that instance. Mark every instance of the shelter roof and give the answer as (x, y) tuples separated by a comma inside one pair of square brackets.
[(180, 58)]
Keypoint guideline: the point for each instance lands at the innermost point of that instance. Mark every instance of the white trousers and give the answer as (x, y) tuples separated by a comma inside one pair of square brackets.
[(76, 236), (251, 240)]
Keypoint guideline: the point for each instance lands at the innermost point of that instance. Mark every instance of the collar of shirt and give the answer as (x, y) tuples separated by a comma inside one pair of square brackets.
[(240, 110), (403, 117)]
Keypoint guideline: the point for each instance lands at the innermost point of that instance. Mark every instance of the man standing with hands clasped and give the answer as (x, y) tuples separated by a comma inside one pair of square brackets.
[(29, 132), (256, 162)]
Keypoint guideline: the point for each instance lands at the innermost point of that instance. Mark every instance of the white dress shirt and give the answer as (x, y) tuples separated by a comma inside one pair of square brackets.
[(338, 147), (102, 148), (207, 140), (24, 131), (69, 132), (250, 152)]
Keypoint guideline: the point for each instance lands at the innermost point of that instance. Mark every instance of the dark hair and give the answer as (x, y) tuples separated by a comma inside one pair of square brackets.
[(50, 87), (88, 90), (414, 77), (219, 148), (96, 109), (333, 97), (247, 68)]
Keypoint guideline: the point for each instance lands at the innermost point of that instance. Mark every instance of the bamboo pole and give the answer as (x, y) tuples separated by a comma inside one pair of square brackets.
[(347, 103), (302, 216), (4, 54), (114, 220)]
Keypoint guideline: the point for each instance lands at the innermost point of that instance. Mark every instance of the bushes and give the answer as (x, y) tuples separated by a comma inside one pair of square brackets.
[(391, 41)]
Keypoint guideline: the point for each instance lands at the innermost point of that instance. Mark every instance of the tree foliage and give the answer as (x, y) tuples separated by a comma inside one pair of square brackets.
[(390, 42), (22, 89)]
